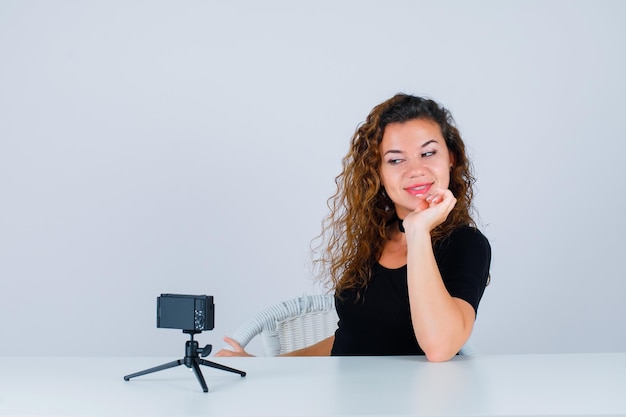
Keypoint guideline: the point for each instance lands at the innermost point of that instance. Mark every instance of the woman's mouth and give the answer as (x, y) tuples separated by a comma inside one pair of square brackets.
[(418, 189)]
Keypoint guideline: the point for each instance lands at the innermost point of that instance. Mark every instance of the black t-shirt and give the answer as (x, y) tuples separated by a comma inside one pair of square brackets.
[(379, 322)]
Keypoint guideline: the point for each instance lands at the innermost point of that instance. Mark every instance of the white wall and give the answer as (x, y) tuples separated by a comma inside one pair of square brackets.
[(190, 147)]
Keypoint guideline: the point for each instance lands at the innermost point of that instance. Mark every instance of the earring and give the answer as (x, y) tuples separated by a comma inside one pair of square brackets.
[(387, 200)]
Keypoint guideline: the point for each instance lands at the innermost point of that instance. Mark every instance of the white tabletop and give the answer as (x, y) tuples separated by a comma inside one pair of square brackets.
[(482, 385)]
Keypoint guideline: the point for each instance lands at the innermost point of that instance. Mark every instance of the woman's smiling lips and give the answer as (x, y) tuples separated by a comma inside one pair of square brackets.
[(418, 189)]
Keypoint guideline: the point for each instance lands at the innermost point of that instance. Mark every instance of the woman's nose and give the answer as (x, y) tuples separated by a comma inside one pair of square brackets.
[(415, 167)]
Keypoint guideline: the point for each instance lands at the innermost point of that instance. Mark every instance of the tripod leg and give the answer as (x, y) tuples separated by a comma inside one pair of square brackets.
[(198, 372), (155, 369), (221, 367)]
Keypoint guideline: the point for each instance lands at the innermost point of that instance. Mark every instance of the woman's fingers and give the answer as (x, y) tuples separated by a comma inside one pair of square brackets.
[(233, 343), (237, 349), (432, 212)]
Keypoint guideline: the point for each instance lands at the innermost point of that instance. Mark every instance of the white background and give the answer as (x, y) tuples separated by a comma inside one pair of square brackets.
[(190, 146)]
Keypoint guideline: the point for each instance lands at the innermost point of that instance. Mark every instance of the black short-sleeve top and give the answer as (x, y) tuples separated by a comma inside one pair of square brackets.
[(379, 321)]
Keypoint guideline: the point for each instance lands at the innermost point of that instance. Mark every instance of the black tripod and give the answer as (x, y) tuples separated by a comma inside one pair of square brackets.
[(191, 360)]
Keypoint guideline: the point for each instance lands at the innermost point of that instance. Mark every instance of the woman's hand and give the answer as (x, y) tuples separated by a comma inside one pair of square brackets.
[(237, 349), (432, 211)]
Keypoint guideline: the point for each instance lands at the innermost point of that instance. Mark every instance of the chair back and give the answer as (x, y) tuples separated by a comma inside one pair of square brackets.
[(291, 324)]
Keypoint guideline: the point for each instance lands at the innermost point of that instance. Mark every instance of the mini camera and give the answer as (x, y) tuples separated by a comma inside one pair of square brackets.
[(191, 313)]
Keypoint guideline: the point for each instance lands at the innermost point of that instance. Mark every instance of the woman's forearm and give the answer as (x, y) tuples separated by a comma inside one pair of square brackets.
[(442, 323)]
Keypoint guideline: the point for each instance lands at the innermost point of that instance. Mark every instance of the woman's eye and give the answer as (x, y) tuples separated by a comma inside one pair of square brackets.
[(429, 153), (394, 161)]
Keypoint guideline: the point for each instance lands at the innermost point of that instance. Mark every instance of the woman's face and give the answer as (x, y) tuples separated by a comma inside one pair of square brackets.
[(415, 162)]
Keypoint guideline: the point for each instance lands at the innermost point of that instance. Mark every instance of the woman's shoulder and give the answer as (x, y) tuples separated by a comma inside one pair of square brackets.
[(467, 232), (465, 252), (466, 236)]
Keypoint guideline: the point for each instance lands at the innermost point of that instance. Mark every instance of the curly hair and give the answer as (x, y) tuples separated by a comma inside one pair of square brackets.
[(354, 233)]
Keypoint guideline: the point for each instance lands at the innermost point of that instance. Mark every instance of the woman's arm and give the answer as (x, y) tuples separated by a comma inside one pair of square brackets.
[(442, 323), (321, 348)]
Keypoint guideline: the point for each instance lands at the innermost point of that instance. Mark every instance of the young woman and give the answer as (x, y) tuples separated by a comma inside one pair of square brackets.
[(402, 252)]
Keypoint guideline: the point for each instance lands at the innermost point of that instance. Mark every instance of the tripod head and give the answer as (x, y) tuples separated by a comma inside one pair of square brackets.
[(192, 349)]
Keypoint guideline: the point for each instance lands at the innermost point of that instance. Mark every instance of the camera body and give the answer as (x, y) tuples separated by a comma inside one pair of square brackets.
[(191, 313)]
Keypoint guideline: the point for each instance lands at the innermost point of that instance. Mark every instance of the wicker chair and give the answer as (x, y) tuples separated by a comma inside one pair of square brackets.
[(291, 325), (297, 323)]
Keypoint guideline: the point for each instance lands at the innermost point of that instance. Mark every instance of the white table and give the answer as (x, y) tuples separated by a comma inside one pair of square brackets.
[(499, 385)]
